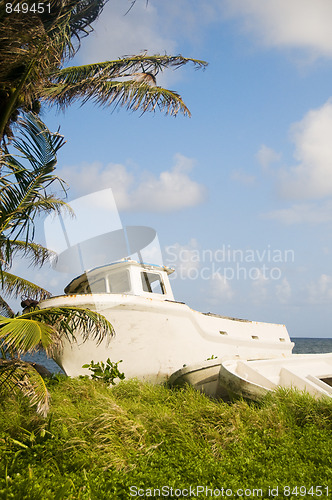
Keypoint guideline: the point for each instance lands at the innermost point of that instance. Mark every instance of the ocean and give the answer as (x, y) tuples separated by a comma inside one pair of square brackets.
[(311, 346), (302, 346)]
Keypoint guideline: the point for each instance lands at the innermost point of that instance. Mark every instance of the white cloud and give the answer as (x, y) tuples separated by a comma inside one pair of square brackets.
[(312, 177), (161, 27), (267, 156), (116, 34), (151, 27), (313, 213), (158, 27), (172, 190), (320, 290), (185, 259), (283, 291), (300, 24), (259, 288), (219, 289), (263, 289)]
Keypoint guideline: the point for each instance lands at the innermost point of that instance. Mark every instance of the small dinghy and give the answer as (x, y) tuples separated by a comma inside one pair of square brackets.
[(204, 377), (254, 378)]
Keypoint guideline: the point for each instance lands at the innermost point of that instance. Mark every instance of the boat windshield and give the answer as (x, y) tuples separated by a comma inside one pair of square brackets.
[(119, 282), (152, 282), (98, 286)]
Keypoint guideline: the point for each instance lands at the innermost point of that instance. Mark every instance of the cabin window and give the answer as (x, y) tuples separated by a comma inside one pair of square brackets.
[(98, 286), (152, 282), (119, 282)]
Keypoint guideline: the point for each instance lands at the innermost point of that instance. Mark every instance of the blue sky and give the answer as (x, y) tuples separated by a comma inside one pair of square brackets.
[(240, 194)]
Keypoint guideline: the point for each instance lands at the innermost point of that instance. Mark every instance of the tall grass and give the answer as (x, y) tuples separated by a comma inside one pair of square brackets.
[(98, 442)]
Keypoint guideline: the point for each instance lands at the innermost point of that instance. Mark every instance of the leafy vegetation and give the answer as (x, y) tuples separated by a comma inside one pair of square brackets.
[(98, 442), (107, 372)]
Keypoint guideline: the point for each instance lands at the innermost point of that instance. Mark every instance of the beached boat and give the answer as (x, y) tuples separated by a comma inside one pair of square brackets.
[(156, 335)]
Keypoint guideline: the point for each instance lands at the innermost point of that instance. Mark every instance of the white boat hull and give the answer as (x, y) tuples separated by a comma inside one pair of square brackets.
[(155, 338)]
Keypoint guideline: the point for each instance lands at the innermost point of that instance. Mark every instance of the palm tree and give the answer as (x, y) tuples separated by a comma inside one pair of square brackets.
[(24, 194), (25, 184), (35, 49)]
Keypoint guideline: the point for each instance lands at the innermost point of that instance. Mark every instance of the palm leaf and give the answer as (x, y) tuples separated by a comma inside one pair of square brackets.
[(122, 67), (83, 14), (5, 309), (47, 328), (23, 192), (130, 94), (18, 208), (67, 321), (16, 286), (37, 143), (24, 335), (97, 82), (37, 253), (17, 376)]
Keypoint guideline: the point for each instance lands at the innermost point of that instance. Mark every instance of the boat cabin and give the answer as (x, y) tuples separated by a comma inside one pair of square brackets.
[(125, 277)]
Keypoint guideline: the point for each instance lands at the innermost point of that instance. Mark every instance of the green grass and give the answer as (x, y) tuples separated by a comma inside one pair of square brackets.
[(97, 442)]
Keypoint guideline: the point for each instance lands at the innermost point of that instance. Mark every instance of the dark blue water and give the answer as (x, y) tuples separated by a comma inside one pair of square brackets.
[(311, 346), (41, 358), (302, 346)]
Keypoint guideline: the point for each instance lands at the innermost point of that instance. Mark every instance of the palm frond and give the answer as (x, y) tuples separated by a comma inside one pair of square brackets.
[(37, 144), (5, 309), (130, 94), (47, 328), (83, 14), (66, 321), (100, 82), (22, 36), (14, 286), (23, 335), (17, 376), (73, 16), (23, 192), (37, 253), (18, 208), (122, 67)]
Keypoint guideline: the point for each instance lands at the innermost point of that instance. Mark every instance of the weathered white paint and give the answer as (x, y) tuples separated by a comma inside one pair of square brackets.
[(155, 335)]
